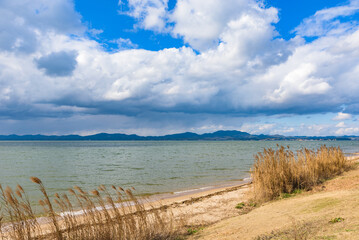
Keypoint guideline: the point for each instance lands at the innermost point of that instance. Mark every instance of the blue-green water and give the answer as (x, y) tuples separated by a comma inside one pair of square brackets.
[(149, 166)]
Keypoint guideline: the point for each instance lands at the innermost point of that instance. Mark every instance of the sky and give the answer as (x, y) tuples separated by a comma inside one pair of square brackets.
[(159, 67)]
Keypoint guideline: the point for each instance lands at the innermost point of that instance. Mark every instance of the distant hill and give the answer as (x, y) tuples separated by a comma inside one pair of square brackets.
[(215, 136)]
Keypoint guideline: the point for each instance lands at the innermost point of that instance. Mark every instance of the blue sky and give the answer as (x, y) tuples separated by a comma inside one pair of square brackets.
[(164, 66), (115, 25)]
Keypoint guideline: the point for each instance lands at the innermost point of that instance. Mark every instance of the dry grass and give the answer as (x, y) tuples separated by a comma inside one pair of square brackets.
[(296, 231), (282, 171), (112, 213)]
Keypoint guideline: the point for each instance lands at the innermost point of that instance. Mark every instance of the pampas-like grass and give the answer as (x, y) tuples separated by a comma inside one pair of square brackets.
[(283, 171), (104, 214)]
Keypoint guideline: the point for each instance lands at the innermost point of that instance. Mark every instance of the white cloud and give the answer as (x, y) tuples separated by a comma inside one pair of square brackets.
[(342, 116), (242, 70), (203, 24), (299, 82), (151, 14), (95, 32), (258, 128), (223, 79), (347, 131), (340, 125), (327, 21), (124, 43), (22, 21)]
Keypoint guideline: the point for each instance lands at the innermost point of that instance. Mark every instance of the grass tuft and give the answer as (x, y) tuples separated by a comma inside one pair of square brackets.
[(193, 230), (336, 220), (282, 172), (240, 205), (104, 214)]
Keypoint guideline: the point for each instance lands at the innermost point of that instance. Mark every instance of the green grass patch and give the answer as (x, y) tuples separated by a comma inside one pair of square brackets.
[(240, 205), (336, 220), (292, 194), (253, 204), (192, 231)]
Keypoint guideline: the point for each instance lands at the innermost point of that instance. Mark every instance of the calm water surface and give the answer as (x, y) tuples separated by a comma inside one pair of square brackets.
[(149, 166)]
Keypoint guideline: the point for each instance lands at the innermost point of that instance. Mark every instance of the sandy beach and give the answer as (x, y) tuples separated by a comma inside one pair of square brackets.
[(208, 206)]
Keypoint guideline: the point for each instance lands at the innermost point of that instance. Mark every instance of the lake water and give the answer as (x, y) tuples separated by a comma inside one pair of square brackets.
[(149, 166)]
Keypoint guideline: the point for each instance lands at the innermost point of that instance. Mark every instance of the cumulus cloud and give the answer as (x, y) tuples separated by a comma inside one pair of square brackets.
[(58, 64), (244, 69), (342, 116), (300, 81), (203, 24)]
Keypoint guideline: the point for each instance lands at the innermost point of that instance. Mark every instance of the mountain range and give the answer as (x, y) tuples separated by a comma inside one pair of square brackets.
[(215, 136)]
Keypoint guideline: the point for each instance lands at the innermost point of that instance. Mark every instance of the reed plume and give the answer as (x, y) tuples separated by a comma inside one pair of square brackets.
[(102, 213), (282, 171)]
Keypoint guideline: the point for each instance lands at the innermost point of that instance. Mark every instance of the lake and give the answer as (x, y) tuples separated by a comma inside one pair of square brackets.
[(149, 166)]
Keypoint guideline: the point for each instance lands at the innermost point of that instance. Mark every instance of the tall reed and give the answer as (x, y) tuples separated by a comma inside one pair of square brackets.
[(102, 213), (283, 171)]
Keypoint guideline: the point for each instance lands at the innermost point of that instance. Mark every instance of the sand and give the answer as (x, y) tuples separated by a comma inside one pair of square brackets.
[(208, 207), (305, 216)]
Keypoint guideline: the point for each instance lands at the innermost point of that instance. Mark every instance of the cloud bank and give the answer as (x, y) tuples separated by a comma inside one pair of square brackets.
[(234, 66)]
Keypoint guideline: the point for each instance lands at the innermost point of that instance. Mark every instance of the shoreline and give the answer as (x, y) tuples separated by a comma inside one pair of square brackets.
[(214, 188), (168, 199), (199, 192)]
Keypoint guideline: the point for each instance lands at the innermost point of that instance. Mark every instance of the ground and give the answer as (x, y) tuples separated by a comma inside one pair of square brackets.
[(330, 211)]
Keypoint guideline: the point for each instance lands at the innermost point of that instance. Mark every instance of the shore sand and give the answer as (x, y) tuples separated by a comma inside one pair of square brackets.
[(208, 206)]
